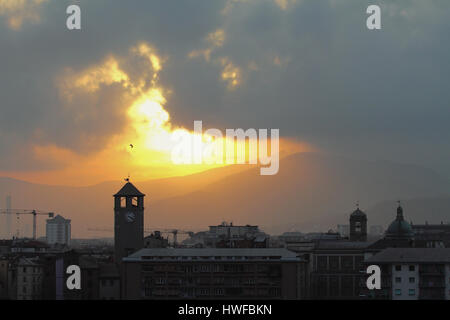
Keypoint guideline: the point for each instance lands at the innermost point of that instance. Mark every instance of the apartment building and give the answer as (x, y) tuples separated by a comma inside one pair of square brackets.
[(219, 273), (412, 274), (58, 231), (25, 279)]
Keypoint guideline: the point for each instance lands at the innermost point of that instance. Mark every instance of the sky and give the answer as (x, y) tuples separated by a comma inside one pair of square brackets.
[(72, 102)]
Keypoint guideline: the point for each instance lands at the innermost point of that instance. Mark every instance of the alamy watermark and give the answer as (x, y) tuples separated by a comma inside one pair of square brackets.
[(235, 147)]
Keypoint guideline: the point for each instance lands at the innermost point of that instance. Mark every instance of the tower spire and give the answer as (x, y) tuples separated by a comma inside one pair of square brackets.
[(399, 211)]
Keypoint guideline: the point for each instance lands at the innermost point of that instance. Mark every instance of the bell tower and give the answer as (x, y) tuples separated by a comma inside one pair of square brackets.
[(358, 225), (128, 221)]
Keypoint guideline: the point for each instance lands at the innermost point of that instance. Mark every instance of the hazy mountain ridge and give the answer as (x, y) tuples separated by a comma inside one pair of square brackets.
[(310, 192)]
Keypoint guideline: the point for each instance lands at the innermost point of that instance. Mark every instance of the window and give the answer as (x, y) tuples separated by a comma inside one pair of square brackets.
[(412, 280), (334, 263), (398, 268), (347, 262), (398, 279), (398, 292), (322, 263), (412, 292), (412, 268), (204, 292)]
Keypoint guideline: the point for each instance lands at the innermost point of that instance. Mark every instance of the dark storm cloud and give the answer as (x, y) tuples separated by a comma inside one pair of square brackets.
[(312, 70)]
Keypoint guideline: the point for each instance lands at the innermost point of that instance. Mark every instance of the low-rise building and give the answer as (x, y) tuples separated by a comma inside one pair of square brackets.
[(4, 266), (343, 230), (412, 274), (214, 273), (156, 240), (227, 235), (28, 247), (109, 282), (25, 279)]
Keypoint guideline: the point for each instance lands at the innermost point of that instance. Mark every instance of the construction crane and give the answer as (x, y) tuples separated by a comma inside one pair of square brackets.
[(18, 212), (174, 232), (110, 230)]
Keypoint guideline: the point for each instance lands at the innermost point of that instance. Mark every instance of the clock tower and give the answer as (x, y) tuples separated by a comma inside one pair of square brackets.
[(128, 221)]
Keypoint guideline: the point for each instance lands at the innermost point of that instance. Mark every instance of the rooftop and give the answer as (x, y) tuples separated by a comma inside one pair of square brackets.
[(252, 253), (411, 255), (129, 190), (358, 212), (58, 219), (342, 244)]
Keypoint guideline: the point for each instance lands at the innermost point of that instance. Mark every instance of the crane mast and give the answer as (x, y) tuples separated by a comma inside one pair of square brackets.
[(32, 212)]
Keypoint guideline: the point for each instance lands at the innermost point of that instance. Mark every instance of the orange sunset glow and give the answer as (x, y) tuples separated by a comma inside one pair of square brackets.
[(143, 146)]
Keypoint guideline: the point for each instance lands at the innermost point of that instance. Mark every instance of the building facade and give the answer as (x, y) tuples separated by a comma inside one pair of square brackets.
[(412, 274), (227, 235), (25, 279), (214, 274), (336, 270)]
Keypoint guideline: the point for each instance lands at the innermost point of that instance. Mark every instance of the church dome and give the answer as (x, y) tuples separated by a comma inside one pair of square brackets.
[(399, 228)]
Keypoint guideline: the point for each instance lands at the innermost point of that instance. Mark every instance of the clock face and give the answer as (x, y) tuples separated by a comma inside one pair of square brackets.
[(130, 216)]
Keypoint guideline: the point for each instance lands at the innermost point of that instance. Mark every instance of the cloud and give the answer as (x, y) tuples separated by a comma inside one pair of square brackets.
[(17, 12), (213, 41), (281, 4), (310, 68), (230, 73), (285, 4)]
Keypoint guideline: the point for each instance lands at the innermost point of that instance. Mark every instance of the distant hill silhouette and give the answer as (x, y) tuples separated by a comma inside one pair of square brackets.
[(311, 192)]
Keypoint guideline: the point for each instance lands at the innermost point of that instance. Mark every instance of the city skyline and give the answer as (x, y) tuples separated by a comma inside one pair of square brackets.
[(232, 152)]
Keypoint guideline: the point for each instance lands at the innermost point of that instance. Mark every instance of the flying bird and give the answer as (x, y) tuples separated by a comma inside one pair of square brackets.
[(131, 146)]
